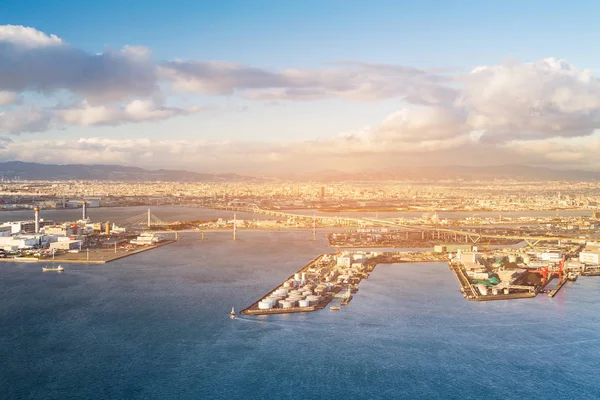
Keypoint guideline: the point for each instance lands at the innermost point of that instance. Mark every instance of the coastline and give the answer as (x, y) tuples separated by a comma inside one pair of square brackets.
[(81, 258)]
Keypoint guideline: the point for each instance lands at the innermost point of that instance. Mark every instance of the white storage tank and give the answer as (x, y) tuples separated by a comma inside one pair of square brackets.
[(512, 258), (482, 289), (286, 304), (287, 284), (303, 303), (298, 276), (265, 305), (506, 290)]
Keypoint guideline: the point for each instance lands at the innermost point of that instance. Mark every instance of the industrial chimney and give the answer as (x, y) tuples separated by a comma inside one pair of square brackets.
[(107, 227), (36, 209), (84, 204)]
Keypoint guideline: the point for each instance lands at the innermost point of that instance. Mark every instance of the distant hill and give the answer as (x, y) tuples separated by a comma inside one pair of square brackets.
[(516, 172), (34, 171)]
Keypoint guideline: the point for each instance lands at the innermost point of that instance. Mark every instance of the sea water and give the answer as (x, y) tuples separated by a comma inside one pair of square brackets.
[(156, 326)]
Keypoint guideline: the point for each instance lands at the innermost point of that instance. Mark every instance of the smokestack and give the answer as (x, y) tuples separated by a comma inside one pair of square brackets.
[(84, 204), (37, 219), (108, 227)]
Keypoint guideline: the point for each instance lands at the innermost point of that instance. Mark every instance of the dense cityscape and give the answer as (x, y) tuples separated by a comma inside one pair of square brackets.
[(499, 196)]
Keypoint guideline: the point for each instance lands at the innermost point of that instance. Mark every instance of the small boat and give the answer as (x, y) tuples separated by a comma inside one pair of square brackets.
[(232, 313), (56, 269), (572, 276), (334, 308)]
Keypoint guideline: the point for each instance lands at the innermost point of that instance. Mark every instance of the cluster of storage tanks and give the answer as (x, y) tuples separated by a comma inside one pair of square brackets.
[(484, 290), (293, 293)]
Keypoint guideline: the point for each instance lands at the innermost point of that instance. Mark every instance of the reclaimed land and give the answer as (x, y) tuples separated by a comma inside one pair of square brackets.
[(383, 258), (96, 256), (470, 293)]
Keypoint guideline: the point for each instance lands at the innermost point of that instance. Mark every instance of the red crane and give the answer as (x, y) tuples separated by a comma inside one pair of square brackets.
[(546, 272)]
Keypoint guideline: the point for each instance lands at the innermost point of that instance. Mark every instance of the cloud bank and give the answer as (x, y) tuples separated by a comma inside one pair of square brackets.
[(546, 111)]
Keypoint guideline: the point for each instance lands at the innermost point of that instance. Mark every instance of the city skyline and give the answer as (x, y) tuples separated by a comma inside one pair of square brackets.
[(300, 86)]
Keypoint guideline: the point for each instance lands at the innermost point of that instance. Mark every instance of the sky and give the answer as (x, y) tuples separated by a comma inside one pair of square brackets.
[(274, 87)]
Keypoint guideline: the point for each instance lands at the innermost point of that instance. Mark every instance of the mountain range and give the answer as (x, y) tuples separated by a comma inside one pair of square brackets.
[(35, 171)]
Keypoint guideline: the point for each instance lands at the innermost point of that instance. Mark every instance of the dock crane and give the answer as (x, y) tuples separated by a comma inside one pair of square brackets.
[(486, 246), (546, 272)]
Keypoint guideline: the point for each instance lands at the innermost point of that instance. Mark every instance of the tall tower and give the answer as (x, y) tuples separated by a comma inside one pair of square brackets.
[(322, 195), (37, 219), (84, 208), (149, 219), (234, 226)]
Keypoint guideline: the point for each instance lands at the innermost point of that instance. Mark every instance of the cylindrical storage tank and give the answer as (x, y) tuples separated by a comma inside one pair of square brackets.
[(264, 305), (287, 304), (303, 276), (287, 284), (506, 290), (280, 303), (307, 293), (512, 258), (526, 259), (281, 292), (303, 303), (482, 289), (298, 276), (495, 291)]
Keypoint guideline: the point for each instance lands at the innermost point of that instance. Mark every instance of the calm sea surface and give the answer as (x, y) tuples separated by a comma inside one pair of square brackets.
[(156, 326)]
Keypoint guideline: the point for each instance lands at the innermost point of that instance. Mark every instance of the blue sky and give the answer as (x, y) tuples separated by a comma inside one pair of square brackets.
[(309, 33), (446, 39)]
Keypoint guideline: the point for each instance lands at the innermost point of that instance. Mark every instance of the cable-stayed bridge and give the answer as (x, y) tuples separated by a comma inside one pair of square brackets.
[(473, 237), (146, 219)]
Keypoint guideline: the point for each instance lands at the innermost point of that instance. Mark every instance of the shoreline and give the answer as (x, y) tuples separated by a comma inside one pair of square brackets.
[(75, 259)]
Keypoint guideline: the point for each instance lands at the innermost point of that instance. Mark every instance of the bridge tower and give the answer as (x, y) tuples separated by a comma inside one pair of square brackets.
[(234, 226)]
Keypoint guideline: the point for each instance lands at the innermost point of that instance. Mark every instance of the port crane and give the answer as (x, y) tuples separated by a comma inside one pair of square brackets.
[(546, 272)]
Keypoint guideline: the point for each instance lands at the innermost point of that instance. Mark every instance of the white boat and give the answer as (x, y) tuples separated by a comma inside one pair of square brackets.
[(232, 313), (57, 269)]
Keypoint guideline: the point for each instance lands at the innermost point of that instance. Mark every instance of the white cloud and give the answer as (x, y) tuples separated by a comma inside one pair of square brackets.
[(34, 119), (27, 36), (548, 98), (7, 98), (53, 65), (353, 81), (26, 120)]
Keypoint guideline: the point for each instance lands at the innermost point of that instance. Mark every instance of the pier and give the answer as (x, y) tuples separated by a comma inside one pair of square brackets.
[(326, 277), (472, 293), (93, 256)]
